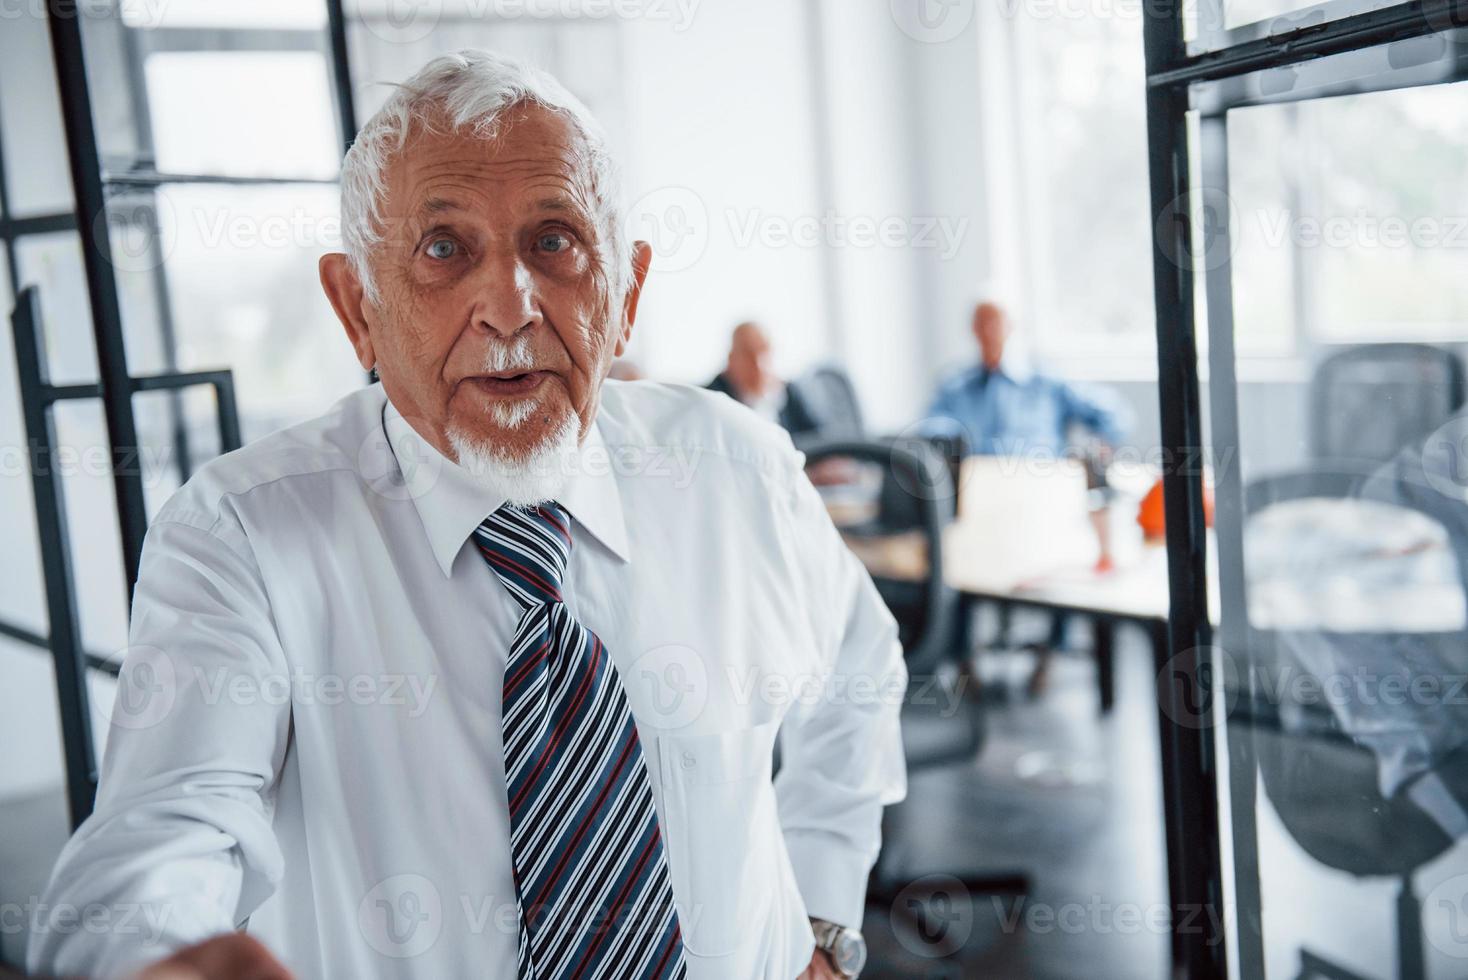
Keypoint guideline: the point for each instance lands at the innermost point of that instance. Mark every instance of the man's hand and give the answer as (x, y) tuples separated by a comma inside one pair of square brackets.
[(235, 956), (821, 968)]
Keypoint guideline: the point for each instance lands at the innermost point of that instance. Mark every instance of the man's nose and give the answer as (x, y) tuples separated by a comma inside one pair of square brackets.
[(505, 300)]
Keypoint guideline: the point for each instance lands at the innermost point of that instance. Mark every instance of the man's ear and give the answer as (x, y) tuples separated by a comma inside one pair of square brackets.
[(344, 291), (641, 262)]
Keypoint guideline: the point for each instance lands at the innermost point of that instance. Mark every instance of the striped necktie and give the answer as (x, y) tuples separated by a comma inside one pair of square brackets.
[(590, 875)]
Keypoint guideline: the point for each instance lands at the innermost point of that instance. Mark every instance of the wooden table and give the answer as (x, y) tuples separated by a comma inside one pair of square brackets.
[(1135, 593)]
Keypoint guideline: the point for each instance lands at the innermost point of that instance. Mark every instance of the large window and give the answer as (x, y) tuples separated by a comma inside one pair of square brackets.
[(1351, 220), (218, 148), (1076, 248)]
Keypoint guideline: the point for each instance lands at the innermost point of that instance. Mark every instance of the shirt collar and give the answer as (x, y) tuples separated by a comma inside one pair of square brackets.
[(451, 502), (1015, 367)]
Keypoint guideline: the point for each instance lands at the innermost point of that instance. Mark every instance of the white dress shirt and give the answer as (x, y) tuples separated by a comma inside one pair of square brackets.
[(307, 730)]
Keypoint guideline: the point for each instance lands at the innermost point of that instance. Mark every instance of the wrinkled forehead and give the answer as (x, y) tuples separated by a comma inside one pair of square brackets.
[(534, 157)]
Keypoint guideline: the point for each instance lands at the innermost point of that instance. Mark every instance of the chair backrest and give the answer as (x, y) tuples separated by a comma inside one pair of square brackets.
[(831, 398), (1324, 783), (924, 610), (1367, 402)]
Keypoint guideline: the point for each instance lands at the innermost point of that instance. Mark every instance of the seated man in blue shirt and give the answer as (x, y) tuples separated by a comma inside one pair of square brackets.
[(1004, 407)]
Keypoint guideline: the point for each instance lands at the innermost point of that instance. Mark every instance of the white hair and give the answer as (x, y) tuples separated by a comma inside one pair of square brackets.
[(471, 90)]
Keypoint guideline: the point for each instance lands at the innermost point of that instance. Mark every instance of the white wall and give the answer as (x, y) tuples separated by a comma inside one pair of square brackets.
[(720, 135), (793, 113)]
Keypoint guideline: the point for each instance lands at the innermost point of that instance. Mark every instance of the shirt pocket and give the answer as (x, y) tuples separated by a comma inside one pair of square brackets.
[(720, 831)]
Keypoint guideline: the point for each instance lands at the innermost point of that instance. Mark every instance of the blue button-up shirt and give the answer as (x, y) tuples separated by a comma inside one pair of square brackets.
[(1013, 411)]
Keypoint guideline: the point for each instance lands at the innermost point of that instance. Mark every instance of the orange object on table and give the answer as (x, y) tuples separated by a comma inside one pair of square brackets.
[(1151, 517)]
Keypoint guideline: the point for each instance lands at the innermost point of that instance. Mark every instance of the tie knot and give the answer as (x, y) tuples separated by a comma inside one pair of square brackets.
[(528, 550)]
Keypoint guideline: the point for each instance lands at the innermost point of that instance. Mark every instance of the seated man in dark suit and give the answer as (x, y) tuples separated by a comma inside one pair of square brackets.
[(750, 378)]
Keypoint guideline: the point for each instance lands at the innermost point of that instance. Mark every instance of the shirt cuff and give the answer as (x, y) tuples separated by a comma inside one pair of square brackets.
[(831, 876)]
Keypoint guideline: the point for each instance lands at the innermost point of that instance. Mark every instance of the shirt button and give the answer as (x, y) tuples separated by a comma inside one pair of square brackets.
[(689, 760)]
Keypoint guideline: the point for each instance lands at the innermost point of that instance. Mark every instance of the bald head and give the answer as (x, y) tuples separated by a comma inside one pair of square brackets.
[(991, 330), (750, 369)]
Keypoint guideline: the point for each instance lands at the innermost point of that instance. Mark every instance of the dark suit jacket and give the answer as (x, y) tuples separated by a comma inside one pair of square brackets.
[(795, 416)]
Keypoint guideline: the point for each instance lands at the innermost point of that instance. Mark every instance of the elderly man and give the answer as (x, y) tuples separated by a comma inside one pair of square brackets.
[(482, 671), (1003, 407), (749, 378)]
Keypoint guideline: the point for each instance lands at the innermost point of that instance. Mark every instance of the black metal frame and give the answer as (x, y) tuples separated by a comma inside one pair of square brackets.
[(38, 397), (1257, 64), (115, 387)]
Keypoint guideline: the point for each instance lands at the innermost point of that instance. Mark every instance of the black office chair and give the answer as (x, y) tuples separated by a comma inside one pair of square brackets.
[(925, 616), (1367, 402), (1323, 783), (831, 398)]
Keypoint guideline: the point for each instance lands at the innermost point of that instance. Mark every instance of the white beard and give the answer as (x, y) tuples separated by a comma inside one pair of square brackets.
[(523, 481), (540, 474)]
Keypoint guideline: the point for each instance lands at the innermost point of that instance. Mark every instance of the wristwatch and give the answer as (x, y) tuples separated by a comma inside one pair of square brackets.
[(848, 951)]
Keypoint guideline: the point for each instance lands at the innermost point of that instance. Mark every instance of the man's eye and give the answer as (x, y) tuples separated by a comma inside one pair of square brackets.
[(442, 248), (553, 242)]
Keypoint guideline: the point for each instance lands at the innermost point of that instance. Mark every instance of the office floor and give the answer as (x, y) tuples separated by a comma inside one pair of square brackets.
[(1067, 797)]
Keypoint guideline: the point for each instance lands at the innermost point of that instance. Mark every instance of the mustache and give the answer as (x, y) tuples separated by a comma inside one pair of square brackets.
[(509, 355)]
